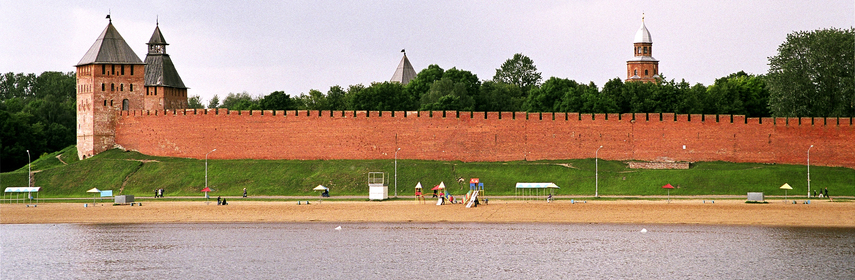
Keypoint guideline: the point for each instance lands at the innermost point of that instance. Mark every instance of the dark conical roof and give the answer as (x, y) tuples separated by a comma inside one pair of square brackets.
[(157, 37), (110, 48), (159, 70)]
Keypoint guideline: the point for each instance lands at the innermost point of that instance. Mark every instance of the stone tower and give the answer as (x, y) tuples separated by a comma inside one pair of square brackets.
[(110, 78), (642, 67), (164, 89), (405, 72)]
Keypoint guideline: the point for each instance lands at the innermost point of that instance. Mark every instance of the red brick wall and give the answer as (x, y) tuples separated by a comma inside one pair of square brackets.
[(483, 136)]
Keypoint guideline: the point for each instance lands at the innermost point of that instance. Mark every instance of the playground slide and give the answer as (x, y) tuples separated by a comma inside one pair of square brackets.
[(439, 201), (472, 200)]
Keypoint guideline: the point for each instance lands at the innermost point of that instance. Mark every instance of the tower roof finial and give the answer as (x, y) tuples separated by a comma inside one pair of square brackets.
[(108, 17), (157, 20)]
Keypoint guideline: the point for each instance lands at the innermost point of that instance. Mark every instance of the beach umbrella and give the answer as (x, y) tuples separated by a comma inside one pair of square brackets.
[(206, 190), (669, 187), (94, 190), (786, 187), (321, 189)]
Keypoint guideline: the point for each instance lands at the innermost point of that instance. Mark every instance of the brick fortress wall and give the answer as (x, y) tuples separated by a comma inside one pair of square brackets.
[(480, 136)]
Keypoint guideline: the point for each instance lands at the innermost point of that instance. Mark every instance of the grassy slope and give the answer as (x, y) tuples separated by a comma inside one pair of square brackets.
[(180, 176)]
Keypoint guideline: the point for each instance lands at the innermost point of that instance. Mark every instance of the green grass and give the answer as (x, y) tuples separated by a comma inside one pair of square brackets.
[(138, 174)]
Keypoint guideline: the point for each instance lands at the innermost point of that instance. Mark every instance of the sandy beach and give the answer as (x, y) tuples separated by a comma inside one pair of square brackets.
[(726, 212)]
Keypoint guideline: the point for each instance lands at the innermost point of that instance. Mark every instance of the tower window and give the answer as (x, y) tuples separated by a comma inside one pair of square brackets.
[(132, 85), (113, 69), (639, 49), (111, 103), (132, 71), (102, 87), (125, 105), (123, 68), (103, 69), (645, 73), (105, 102), (122, 87), (112, 87), (645, 50), (635, 72)]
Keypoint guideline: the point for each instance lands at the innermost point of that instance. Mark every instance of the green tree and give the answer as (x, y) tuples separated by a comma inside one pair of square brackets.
[(385, 96), (547, 97), (277, 100), (214, 102), (195, 102), (238, 101), (738, 94), (421, 84), (498, 97), (813, 75), (336, 99), (520, 71)]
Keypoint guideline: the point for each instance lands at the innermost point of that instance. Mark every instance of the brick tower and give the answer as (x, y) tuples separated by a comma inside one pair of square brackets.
[(110, 78), (642, 67), (164, 89)]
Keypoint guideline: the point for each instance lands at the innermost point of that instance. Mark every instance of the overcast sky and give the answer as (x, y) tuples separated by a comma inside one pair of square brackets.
[(259, 47)]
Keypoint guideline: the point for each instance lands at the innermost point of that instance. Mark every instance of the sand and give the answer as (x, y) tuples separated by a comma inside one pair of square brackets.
[(726, 212)]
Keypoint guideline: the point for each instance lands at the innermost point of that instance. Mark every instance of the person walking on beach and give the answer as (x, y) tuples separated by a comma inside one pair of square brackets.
[(219, 201), (244, 192)]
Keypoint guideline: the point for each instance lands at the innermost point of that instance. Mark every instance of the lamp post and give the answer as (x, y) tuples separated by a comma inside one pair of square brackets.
[(29, 172), (808, 169), (396, 172), (206, 168), (597, 172)]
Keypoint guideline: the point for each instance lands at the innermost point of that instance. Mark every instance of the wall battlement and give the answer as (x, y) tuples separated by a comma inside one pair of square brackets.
[(485, 136), (648, 117)]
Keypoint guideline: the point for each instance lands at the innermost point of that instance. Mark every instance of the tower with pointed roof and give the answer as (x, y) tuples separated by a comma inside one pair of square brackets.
[(642, 67), (110, 78), (405, 72), (164, 89)]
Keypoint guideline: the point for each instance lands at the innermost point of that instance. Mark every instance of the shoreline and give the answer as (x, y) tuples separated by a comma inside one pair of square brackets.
[(725, 212)]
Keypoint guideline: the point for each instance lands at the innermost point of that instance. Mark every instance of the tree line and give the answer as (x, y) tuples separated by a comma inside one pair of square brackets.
[(812, 76)]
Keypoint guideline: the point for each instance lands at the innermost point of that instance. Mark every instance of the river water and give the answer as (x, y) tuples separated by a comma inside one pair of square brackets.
[(423, 250)]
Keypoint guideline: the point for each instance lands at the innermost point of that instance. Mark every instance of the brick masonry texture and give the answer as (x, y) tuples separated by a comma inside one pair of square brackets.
[(480, 136)]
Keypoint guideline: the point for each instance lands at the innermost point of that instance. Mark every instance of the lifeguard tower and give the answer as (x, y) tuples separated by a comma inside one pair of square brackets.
[(376, 189)]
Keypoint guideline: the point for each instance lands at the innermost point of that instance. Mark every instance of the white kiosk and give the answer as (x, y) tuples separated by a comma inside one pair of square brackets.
[(376, 189)]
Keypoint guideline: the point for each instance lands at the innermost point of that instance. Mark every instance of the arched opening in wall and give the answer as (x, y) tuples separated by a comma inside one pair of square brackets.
[(125, 105), (132, 85), (111, 103), (103, 69), (112, 87), (132, 70), (635, 72), (123, 66), (113, 69), (645, 50), (105, 102), (645, 72), (102, 87), (122, 87)]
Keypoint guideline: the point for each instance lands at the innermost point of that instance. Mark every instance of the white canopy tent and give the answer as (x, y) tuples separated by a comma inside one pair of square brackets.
[(18, 190), (534, 190), (322, 189)]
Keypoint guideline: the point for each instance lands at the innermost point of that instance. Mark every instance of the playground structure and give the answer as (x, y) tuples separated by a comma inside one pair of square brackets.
[(376, 188), (534, 191), (476, 189), (18, 190)]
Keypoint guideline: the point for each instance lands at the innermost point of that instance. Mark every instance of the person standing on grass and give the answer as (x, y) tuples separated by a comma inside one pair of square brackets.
[(244, 192), (825, 192)]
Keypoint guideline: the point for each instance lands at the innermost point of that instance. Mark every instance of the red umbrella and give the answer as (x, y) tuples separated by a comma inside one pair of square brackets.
[(669, 187), (206, 190)]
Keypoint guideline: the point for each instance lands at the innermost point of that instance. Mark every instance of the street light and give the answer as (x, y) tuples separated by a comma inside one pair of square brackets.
[(29, 172), (808, 169), (396, 172), (597, 172), (206, 168)]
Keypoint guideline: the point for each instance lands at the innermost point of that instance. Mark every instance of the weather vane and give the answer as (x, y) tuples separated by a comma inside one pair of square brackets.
[(108, 16)]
